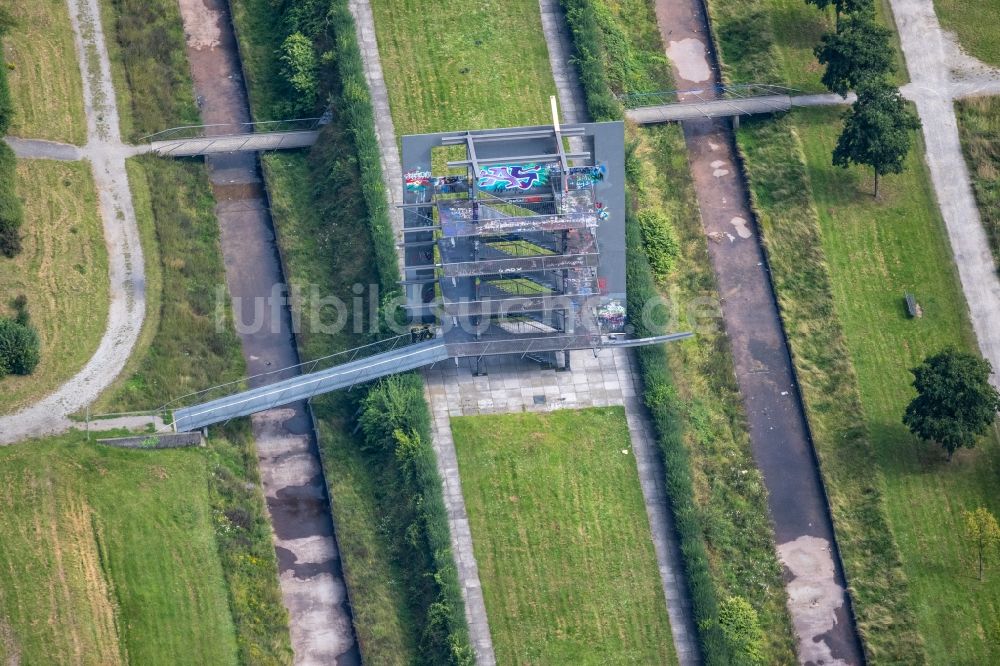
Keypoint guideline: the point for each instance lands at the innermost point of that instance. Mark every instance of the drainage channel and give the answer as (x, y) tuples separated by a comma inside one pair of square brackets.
[(311, 577)]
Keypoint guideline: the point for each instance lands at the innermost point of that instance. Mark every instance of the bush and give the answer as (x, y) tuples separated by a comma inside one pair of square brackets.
[(590, 56), (742, 630), (660, 241), (19, 348)]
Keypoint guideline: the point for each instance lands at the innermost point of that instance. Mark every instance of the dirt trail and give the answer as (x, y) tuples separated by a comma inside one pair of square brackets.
[(817, 599), (312, 584), (127, 311)]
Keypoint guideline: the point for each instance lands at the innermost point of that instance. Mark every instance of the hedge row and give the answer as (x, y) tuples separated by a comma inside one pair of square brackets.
[(774, 165), (396, 424), (659, 393), (11, 214)]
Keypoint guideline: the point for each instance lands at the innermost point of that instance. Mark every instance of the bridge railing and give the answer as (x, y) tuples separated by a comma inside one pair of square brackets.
[(702, 94), (228, 129), (306, 367)]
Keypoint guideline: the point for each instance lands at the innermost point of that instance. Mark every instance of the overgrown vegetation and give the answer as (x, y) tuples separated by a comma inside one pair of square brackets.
[(979, 127), (19, 345), (146, 42), (715, 491), (331, 217), (554, 500), (197, 346)]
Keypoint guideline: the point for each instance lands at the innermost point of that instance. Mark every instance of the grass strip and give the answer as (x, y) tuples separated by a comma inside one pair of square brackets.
[(556, 511), (39, 58), (333, 231)]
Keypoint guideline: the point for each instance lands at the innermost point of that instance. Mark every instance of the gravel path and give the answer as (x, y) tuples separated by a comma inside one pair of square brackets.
[(939, 73), (107, 155)]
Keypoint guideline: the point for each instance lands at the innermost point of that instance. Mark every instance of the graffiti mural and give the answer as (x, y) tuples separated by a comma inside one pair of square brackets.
[(417, 181), (581, 177), (611, 316), (503, 177)]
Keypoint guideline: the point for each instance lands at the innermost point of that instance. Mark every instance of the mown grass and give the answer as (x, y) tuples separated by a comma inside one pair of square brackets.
[(44, 75), (979, 128), (149, 66), (63, 272), (484, 66), (109, 556), (975, 23), (878, 250), (562, 543)]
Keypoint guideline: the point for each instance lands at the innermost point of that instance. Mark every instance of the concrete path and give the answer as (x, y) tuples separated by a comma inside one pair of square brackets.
[(939, 72), (619, 369), (817, 600), (312, 585), (127, 289)]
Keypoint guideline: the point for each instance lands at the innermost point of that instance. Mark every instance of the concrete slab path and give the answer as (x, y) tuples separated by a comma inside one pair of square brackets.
[(939, 73), (817, 598), (312, 584)]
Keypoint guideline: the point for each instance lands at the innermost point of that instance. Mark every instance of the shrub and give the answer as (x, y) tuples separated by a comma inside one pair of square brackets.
[(300, 67), (19, 348), (660, 240), (590, 56), (742, 630)]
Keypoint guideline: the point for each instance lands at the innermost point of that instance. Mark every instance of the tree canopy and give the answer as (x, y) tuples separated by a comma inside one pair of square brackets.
[(858, 52), (876, 130), (955, 401), (846, 6)]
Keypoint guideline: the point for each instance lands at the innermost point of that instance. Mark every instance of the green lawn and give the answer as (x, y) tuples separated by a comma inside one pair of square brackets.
[(44, 75), (103, 550), (979, 127), (484, 64), (876, 251), (562, 539), (975, 23), (63, 271)]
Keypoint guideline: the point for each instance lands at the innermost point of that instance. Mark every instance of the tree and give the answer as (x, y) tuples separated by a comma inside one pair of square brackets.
[(19, 348), (983, 533), (876, 130), (847, 7), (955, 402), (858, 52)]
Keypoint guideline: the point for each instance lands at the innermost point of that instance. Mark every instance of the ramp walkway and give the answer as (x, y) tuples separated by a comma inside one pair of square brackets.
[(396, 360)]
